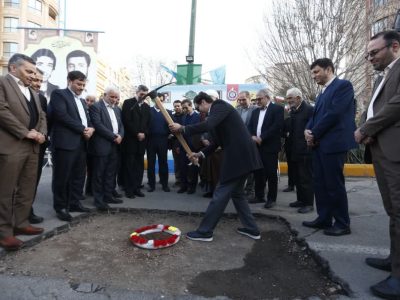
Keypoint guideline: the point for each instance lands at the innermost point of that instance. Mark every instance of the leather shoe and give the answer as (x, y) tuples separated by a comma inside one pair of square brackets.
[(288, 189), (257, 200), (336, 231), (102, 206), (269, 204), (151, 189), (138, 193), (28, 230), (387, 289), (166, 189), (296, 204), (181, 190), (208, 195), (116, 194), (113, 200), (316, 224), (305, 209), (78, 208), (11, 243), (129, 196), (380, 263), (63, 215), (34, 219), (191, 191)]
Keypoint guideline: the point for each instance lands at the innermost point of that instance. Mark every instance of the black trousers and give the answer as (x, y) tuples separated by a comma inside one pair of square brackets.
[(189, 172), (268, 173), (157, 148), (89, 173), (134, 168), (69, 170), (303, 171), (103, 178)]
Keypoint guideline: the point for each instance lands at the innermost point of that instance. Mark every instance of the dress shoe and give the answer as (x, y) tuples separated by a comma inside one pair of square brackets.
[(269, 204), (208, 195), (28, 230), (130, 196), (305, 209), (34, 219), (166, 189), (288, 189), (181, 190), (316, 224), (63, 215), (257, 200), (336, 231), (102, 206), (151, 189), (380, 263), (296, 204), (78, 208), (138, 193), (387, 289), (191, 191), (116, 194), (113, 200), (11, 243)]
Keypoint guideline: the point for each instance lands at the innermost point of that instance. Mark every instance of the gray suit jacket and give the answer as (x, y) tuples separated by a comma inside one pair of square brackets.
[(384, 126), (14, 117)]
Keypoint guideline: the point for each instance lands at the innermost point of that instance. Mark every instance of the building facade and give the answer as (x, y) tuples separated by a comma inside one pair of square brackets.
[(23, 13)]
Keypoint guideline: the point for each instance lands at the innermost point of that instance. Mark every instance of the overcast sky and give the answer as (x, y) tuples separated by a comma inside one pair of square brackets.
[(225, 30)]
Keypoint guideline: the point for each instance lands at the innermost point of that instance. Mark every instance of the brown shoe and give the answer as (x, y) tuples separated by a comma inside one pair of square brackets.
[(11, 243), (29, 230)]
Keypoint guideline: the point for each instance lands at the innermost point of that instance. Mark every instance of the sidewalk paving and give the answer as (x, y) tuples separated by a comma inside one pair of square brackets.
[(345, 254)]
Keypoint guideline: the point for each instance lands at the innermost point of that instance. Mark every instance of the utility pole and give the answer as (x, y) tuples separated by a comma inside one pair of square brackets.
[(190, 56)]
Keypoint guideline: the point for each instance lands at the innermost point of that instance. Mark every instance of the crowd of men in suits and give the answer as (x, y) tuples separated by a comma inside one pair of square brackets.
[(238, 148)]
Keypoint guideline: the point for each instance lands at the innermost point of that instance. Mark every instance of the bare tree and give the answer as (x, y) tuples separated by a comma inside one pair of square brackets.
[(301, 31)]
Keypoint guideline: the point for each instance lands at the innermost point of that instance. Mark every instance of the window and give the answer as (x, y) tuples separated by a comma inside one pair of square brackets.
[(11, 3), (35, 5), (380, 2), (379, 25), (33, 25), (9, 49), (10, 24)]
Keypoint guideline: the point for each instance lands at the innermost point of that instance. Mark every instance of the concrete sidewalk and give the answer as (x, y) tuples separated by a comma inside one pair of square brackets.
[(345, 254)]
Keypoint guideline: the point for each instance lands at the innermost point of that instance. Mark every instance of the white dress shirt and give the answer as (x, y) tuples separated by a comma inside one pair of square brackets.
[(113, 118), (261, 119), (370, 111), (327, 84), (24, 89), (81, 110)]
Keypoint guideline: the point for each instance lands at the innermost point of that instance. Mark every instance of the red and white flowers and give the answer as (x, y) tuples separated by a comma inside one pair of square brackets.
[(138, 236)]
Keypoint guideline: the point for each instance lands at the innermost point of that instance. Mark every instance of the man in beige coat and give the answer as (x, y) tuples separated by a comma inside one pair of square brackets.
[(22, 129), (381, 133)]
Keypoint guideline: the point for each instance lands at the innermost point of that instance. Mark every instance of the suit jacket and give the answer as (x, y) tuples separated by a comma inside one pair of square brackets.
[(333, 121), (296, 142), (103, 138), (228, 131), (66, 124), (250, 110), (135, 119), (271, 130), (384, 126), (14, 117)]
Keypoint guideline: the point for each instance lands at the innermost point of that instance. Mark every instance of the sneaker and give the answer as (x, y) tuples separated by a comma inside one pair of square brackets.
[(255, 235), (198, 236)]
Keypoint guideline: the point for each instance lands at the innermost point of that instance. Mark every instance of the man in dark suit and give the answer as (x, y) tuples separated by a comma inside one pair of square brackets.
[(157, 148), (103, 147), (136, 121), (71, 129), (381, 132), (265, 126), (330, 134), (240, 158), (300, 114), (35, 85), (22, 129)]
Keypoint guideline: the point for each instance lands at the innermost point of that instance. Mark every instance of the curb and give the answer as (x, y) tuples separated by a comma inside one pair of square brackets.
[(351, 170)]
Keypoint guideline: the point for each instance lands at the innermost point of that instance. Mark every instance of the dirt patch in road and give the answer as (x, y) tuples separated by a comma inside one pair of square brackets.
[(98, 250)]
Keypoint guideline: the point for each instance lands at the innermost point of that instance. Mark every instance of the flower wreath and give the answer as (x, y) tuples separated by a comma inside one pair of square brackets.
[(137, 237)]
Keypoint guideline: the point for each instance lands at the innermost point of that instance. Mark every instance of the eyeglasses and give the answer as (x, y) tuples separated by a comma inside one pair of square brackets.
[(376, 51)]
